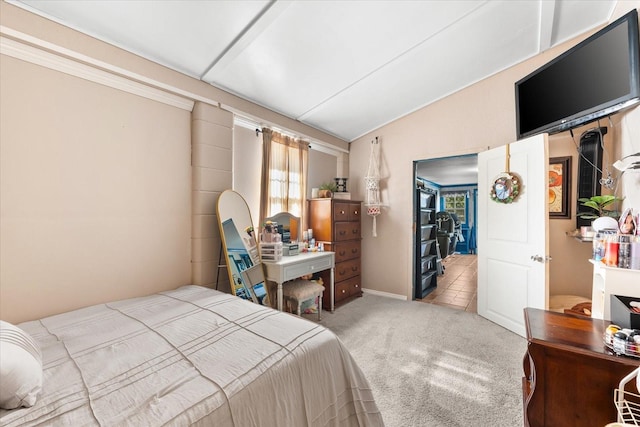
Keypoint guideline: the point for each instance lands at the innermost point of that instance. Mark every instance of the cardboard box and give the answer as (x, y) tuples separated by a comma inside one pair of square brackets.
[(622, 314)]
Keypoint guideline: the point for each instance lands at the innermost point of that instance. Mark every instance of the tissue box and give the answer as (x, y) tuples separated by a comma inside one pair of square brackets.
[(290, 249), (621, 313)]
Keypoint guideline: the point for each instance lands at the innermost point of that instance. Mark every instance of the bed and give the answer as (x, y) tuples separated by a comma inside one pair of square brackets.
[(192, 356)]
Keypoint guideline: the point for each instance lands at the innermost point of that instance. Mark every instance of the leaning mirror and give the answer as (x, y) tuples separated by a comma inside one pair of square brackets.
[(240, 247)]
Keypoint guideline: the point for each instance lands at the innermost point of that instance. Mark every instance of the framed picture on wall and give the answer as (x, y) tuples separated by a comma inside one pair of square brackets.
[(560, 187)]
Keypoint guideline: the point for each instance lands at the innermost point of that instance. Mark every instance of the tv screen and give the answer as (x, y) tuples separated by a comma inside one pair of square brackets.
[(594, 79)]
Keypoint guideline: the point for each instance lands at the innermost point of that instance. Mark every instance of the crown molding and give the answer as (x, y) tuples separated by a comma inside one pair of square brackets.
[(41, 52), (68, 66)]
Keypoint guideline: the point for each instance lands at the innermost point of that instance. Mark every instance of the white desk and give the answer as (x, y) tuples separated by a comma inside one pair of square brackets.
[(292, 267), (609, 281)]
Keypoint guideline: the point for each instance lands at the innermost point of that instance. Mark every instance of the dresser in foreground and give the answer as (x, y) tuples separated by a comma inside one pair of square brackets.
[(569, 374)]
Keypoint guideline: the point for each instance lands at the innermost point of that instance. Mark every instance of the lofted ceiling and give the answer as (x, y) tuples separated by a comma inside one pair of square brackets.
[(449, 171), (343, 67)]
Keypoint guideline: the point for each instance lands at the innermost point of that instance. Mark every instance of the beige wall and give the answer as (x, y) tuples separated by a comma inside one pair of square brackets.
[(94, 190), (570, 273), (212, 141), (627, 131), (474, 119), (323, 168), (247, 168)]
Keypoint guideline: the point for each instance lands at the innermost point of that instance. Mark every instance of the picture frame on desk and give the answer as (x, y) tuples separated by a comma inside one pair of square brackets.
[(560, 187)]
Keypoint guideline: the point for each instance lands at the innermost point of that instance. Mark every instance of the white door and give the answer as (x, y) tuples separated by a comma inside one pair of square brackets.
[(513, 239)]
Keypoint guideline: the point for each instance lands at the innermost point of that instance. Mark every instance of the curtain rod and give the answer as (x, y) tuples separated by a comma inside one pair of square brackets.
[(249, 123)]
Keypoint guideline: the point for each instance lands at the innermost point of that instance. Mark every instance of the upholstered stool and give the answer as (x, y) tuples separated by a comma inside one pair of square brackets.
[(300, 290), (567, 303)]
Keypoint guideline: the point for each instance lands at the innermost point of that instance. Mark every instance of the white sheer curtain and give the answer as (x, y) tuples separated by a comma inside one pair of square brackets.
[(284, 175)]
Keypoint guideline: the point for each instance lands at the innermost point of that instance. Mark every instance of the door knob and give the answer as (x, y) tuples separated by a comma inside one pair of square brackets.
[(540, 259)]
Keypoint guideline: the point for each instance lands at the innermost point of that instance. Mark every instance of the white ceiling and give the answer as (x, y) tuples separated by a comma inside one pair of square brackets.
[(344, 67), (448, 171)]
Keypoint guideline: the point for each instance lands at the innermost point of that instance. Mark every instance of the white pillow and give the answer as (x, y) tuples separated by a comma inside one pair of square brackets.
[(20, 367)]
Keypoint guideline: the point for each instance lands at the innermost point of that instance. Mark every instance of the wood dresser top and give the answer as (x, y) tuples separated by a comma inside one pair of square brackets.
[(570, 332)]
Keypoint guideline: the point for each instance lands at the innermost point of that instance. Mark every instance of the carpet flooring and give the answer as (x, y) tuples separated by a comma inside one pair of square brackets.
[(433, 366)]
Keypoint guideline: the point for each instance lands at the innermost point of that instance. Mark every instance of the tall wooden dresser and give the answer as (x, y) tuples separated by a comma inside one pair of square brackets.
[(336, 224)]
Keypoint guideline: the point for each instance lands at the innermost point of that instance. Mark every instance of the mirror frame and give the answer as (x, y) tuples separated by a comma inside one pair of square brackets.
[(241, 250), (288, 221)]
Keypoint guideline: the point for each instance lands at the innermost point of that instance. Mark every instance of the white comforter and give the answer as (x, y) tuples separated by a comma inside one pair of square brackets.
[(193, 356)]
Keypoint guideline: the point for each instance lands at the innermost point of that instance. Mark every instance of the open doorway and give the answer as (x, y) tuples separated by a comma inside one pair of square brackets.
[(444, 254)]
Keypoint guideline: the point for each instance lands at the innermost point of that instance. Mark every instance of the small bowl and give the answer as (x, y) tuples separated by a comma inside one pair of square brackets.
[(604, 223)]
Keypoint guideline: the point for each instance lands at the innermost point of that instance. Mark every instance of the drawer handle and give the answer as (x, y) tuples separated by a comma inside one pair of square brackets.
[(342, 233), (344, 291), (342, 252), (341, 212), (354, 268), (355, 212), (354, 251), (355, 286), (354, 231)]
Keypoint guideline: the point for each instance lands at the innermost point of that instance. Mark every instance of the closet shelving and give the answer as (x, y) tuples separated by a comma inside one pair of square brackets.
[(426, 273)]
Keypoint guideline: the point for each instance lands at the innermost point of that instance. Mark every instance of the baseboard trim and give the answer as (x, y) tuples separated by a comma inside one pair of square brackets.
[(384, 294)]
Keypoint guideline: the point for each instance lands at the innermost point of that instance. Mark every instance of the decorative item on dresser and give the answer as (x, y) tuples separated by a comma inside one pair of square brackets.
[(336, 224)]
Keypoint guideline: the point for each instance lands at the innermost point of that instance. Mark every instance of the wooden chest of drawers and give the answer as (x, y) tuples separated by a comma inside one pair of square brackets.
[(569, 374), (336, 224)]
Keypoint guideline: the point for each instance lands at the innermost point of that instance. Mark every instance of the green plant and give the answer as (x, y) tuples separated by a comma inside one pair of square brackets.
[(598, 204), (331, 186)]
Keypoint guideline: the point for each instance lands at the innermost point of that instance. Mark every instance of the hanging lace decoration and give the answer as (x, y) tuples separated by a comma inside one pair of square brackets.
[(372, 184)]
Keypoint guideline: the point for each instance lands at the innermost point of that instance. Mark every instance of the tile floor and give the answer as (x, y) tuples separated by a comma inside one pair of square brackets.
[(457, 287)]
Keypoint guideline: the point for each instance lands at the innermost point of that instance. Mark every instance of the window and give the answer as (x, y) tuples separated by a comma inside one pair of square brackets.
[(284, 173), (456, 203), (285, 193)]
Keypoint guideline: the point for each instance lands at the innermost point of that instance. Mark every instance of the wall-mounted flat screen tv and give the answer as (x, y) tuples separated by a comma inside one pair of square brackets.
[(595, 78)]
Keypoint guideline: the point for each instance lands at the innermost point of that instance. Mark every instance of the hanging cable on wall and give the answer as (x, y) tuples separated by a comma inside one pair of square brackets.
[(607, 181)]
